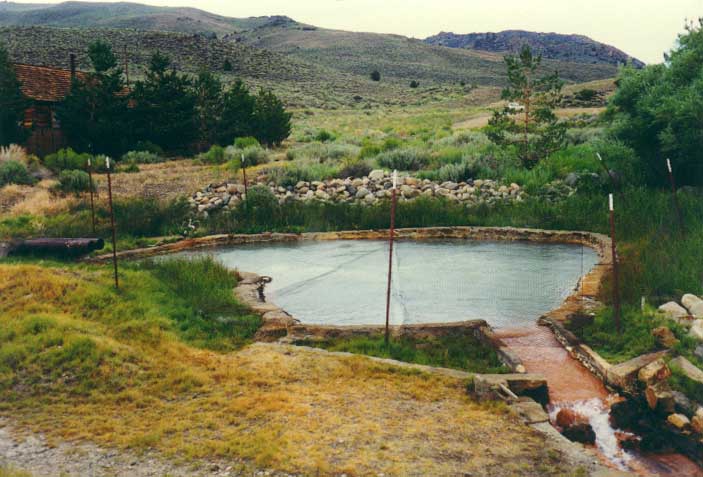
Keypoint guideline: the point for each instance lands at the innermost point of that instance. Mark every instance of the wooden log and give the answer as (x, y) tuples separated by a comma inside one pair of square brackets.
[(71, 247)]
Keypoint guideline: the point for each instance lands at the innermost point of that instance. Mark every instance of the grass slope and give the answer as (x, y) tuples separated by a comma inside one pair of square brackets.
[(401, 58), (124, 15), (81, 361)]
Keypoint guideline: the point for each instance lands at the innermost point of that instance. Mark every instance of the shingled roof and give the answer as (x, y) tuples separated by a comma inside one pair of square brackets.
[(42, 83)]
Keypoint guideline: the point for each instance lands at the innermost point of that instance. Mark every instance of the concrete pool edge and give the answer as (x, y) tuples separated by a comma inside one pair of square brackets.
[(280, 325)]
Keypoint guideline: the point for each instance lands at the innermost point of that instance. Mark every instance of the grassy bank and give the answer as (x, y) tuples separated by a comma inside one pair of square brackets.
[(81, 361), (459, 352)]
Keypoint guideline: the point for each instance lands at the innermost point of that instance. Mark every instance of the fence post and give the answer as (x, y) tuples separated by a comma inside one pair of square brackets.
[(112, 222), (391, 237), (616, 268), (92, 202)]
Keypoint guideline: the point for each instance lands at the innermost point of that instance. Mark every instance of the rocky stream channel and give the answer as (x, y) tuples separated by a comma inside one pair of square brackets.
[(580, 405)]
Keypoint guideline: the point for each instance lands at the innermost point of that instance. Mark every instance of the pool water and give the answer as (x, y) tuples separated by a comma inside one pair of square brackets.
[(343, 282)]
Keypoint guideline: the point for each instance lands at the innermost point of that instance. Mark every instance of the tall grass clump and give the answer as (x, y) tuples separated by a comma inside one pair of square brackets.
[(207, 315)]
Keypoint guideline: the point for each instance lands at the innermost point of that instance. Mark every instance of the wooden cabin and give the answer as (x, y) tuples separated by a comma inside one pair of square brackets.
[(46, 88)]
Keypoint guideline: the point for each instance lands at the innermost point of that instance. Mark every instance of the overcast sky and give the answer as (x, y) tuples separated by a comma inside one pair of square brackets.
[(642, 28)]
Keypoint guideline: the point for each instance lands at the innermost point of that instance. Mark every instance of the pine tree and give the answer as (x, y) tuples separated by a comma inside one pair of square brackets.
[(94, 115), (528, 121), (272, 121), (209, 106), (164, 109), (12, 103), (237, 115)]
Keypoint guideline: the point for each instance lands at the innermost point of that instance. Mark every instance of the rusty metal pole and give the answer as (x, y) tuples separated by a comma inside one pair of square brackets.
[(92, 201), (616, 269), (244, 173), (112, 222), (391, 237), (674, 196)]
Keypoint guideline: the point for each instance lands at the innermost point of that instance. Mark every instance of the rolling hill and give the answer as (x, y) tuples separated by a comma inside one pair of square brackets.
[(570, 48)]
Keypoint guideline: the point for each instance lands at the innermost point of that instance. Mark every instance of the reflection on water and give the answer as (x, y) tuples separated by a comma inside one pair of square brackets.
[(344, 282)]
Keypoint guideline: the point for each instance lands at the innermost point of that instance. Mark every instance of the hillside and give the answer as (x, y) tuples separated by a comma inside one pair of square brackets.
[(124, 15), (570, 48), (398, 58)]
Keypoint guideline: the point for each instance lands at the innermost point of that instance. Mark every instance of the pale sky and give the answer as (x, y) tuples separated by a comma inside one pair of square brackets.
[(642, 28)]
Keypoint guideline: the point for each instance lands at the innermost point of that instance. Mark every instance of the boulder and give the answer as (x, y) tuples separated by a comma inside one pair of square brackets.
[(693, 304), (699, 351), (689, 369), (582, 432), (679, 421), (673, 310), (625, 375), (660, 399), (654, 372), (683, 404), (665, 337), (362, 192), (377, 175), (696, 331)]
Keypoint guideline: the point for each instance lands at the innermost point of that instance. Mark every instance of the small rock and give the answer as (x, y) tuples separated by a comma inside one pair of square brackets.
[(698, 352), (362, 192), (665, 337), (697, 424), (682, 404), (377, 175), (679, 421)]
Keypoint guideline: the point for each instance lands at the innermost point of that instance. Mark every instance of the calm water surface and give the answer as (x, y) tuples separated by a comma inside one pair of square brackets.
[(344, 282)]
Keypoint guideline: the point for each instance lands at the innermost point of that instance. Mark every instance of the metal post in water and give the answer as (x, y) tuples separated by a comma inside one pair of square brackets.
[(92, 202), (674, 196), (112, 222), (616, 268), (391, 236)]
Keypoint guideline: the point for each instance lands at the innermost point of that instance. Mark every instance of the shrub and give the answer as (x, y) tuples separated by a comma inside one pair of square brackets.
[(460, 172), (227, 65), (73, 181), (129, 167), (149, 146), (216, 155), (414, 84), (404, 159), (369, 151), (578, 136), (244, 142), (67, 159), (308, 172), (324, 136), (141, 157), (354, 168), (375, 75), (322, 152), (14, 172), (255, 155), (586, 94), (391, 143)]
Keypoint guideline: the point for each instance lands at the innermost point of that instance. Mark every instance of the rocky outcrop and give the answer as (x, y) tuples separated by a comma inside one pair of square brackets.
[(370, 190), (573, 48)]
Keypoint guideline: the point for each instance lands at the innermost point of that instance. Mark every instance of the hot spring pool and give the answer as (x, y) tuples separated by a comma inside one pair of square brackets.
[(343, 282)]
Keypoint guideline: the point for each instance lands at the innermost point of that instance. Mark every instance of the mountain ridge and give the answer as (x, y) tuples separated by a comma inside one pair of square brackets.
[(556, 46)]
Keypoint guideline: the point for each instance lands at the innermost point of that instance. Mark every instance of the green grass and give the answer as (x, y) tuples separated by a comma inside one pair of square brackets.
[(459, 352), (45, 346), (680, 382)]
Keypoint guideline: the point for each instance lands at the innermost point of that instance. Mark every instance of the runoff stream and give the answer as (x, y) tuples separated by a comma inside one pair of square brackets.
[(508, 284)]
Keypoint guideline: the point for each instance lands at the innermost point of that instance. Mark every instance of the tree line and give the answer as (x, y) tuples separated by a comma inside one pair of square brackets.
[(176, 112)]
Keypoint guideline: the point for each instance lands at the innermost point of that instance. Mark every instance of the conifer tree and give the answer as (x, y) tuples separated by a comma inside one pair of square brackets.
[(272, 121), (528, 121), (12, 103)]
